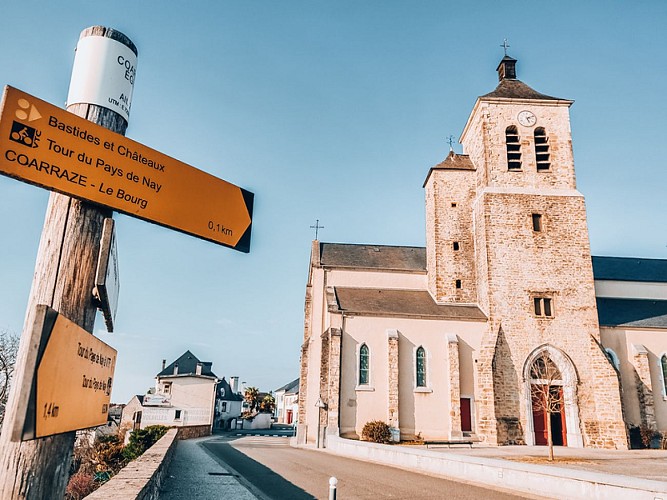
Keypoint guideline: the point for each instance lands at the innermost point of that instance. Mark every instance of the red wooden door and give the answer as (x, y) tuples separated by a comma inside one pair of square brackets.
[(466, 417), (539, 417), (558, 429)]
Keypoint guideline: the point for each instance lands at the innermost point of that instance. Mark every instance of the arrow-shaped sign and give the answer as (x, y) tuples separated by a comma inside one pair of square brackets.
[(47, 146)]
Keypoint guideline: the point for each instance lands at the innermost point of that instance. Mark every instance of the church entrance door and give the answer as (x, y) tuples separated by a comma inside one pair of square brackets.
[(548, 398)]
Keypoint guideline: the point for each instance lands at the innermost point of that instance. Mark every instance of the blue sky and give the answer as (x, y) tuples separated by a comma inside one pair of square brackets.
[(332, 111)]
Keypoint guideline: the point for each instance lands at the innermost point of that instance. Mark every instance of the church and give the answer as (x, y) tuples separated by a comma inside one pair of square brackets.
[(450, 342)]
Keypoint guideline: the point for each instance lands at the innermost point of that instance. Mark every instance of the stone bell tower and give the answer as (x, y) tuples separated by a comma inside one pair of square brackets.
[(526, 263)]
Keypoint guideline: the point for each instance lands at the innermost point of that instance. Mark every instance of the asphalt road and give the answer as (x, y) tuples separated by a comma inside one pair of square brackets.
[(274, 470)]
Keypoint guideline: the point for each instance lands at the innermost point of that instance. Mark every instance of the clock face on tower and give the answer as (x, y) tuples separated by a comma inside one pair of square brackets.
[(526, 118)]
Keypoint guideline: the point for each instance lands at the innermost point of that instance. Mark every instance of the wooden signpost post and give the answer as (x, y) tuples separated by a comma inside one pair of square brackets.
[(85, 159)]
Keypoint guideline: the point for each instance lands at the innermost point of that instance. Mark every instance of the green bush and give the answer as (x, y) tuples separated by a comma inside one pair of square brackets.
[(142, 439), (108, 454), (376, 431)]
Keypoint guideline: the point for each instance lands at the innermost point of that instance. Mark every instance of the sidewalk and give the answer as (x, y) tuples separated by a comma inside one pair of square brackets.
[(642, 464), (193, 473), (575, 474)]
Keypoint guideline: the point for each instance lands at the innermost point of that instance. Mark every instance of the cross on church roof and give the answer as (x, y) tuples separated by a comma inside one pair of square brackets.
[(505, 45), (450, 140), (317, 227)]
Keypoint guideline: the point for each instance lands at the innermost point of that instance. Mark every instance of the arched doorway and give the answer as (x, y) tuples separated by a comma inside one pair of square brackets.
[(550, 383)]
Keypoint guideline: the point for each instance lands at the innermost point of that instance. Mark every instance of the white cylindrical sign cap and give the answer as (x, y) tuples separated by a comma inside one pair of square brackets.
[(103, 74)]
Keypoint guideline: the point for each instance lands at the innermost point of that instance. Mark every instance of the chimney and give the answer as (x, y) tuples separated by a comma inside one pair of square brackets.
[(164, 364), (234, 384), (198, 369), (175, 368)]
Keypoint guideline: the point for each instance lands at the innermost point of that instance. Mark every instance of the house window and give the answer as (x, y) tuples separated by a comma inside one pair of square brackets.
[(421, 367), (458, 284), (542, 150), (224, 406), (663, 365), (543, 307), (167, 387), (513, 148), (364, 364), (537, 222), (177, 414), (456, 246)]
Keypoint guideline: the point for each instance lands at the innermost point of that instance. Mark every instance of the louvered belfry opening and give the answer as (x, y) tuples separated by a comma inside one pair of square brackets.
[(513, 148), (542, 155)]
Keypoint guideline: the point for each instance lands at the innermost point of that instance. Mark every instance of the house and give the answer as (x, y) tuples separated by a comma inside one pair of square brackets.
[(228, 404), (444, 342), (184, 395), (287, 402)]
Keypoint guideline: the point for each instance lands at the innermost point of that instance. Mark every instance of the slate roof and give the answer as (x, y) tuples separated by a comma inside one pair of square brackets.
[(639, 313), (387, 302), (630, 269), (290, 388), (452, 162), (225, 393), (405, 258), (187, 365), (395, 258), (516, 89)]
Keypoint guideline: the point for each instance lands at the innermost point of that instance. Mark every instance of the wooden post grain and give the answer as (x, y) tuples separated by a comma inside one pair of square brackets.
[(64, 279)]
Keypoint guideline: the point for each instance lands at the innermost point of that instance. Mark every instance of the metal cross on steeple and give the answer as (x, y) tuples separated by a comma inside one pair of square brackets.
[(317, 227), (450, 140), (505, 45)]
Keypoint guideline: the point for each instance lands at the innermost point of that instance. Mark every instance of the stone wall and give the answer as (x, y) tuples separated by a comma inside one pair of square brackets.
[(193, 431), (640, 362), (517, 263), (449, 199), (392, 382), (141, 479)]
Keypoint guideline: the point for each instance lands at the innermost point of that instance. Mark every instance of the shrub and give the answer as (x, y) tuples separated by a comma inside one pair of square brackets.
[(647, 434), (376, 431), (108, 454), (80, 485), (142, 439)]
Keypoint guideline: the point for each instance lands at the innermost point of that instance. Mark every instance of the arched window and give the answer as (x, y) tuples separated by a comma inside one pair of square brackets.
[(421, 367), (613, 358), (542, 150), (364, 364), (513, 148), (663, 365)]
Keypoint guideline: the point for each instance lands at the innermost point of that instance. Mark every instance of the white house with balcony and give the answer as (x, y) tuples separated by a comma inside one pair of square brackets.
[(184, 395)]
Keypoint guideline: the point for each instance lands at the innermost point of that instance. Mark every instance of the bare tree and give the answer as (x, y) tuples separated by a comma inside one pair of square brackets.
[(9, 345), (546, 393)]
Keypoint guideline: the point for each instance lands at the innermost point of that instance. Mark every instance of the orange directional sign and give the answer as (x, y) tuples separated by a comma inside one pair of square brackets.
[(74, 373), (45, 145)]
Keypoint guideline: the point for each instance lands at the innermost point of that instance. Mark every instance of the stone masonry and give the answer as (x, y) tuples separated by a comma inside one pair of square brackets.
[(641, 364), (454, 387), (392, 393), (516, 263)]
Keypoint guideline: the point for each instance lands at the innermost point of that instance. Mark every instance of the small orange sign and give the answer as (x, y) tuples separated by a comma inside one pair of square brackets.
[(74, 380), (47, 146)]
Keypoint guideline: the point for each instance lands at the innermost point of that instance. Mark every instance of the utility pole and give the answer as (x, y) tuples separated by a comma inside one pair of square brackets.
[(64, 279)]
